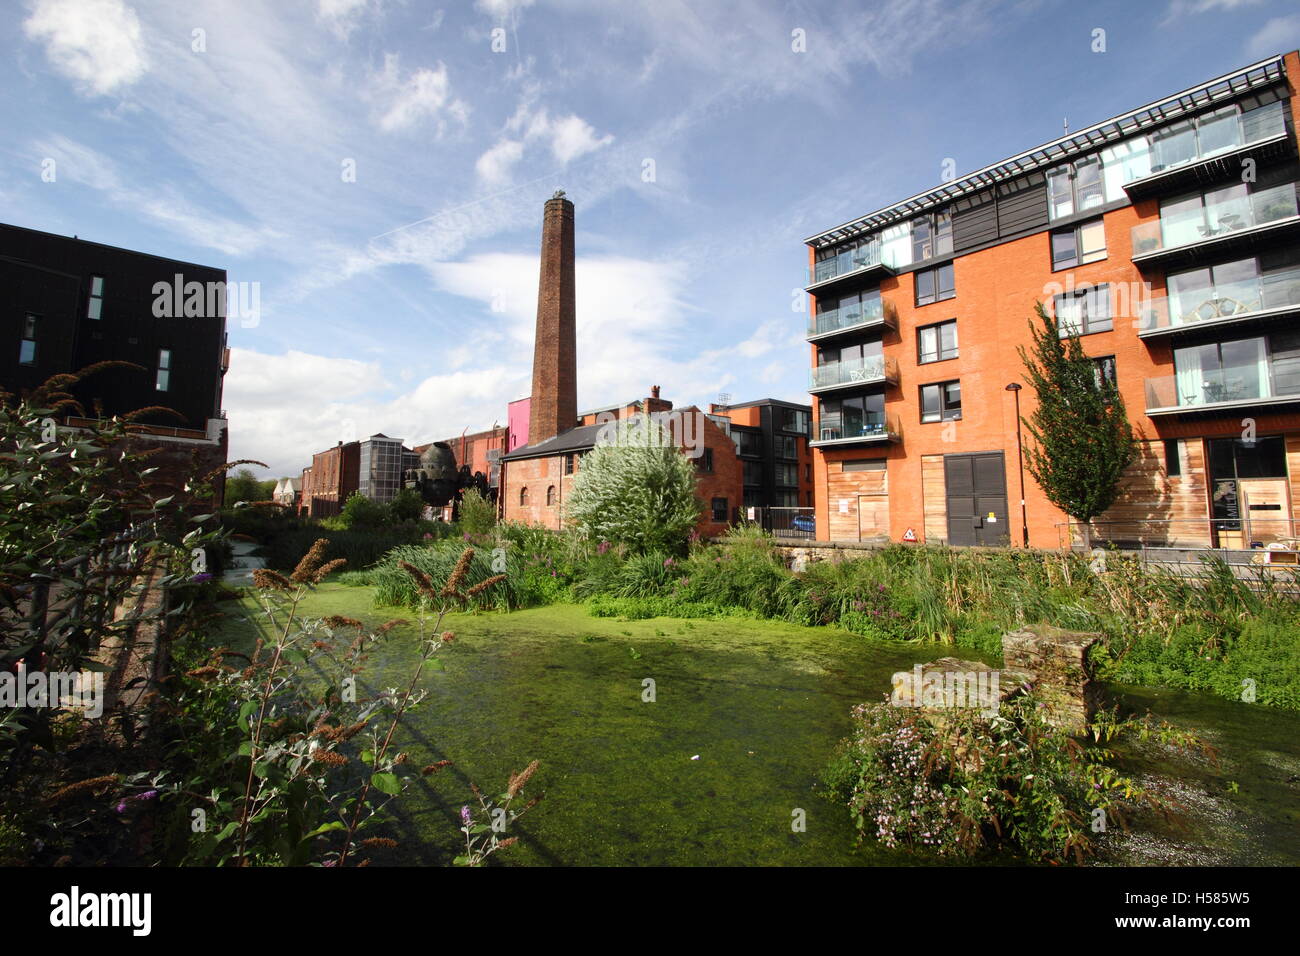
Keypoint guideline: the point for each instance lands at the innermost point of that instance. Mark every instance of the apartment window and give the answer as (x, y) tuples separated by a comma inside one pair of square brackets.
[(163, 378), (748, 443), (550, 496), (858, 416), (1103, 371), (27, 347), (570, 463), (1075, 187), (935, 285), (794, 420), (786, 446), (719, 509), (934, 343), (941, 402), (1081, 244), (96, 305), (786, 499), (1173, 457), (753, 472), (523, 496), (705, 461), (931, 236), (1083, 311), (787, 475)]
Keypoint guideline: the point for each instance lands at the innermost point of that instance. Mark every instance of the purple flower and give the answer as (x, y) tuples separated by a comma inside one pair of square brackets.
[(466, 535), (147, 795), (668, 562), (205, 576), (465, 815), (121, 807)]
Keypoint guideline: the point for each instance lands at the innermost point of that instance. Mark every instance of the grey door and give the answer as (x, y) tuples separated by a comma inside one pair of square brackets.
[(976, 488)]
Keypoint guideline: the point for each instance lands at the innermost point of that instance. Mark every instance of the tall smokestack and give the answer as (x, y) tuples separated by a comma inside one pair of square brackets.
[(554, 406)]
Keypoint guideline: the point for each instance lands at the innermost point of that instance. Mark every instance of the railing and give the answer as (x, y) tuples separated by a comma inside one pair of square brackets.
[(833, 427), (865, 371), (860, 257), (782, 522), (1243, 533), (1217, 219), (1253, 127), (874, 312), (1211, 387), (1276, 290)]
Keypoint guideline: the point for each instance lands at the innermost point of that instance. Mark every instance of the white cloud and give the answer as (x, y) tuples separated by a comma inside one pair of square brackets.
[(96, 43), (501, 9), (1276, 36), (341, 16), (424, 94), (573, 136), (494, 166)]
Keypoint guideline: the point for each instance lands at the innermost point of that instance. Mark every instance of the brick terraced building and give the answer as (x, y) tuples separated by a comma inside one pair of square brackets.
[(1167, 237)]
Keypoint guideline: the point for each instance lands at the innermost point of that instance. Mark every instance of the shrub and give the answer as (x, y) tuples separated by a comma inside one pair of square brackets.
[(407, 505), (477, 514), (360, 512)]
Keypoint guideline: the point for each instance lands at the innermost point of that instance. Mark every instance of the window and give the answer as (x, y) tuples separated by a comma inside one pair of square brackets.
[(1075, 187), (27, 347), (787, 475), (164, 370), (719, 509), (1084, 311), (935, 285), (1103, 371), (786, 499), (748, 443), (931, 236), (794, 420), (1173, 457), (705, 461), (570, 464), (1081, 244), (523, 496), (96, 304), (786, 446), (550, 496), (941, 402), (753, 472), (858, 416), (807, 472), (934, 343), (1228, 288)]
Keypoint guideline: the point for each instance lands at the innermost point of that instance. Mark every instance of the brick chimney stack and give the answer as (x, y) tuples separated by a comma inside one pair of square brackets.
[(554, 405)]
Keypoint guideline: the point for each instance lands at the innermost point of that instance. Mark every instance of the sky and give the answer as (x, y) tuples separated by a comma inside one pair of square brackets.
[(377, 168)]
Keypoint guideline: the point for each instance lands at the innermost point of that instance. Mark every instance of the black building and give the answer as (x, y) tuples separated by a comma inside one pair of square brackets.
[(771, 439), (66, 303)]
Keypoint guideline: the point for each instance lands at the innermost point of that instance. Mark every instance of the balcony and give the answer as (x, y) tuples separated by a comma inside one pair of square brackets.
[(1272, 296), (1261, 136), (1216, 390), (864, 262), (873, 370), (833, 430), (1240, 224), (834, 322)]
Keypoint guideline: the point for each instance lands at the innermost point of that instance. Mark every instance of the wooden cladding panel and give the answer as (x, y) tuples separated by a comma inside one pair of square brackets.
[(935, 498)]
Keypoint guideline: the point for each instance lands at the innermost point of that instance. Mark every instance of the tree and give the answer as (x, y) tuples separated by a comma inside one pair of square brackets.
[(362, 512), (1080, 428), (245, 487), (478, 515), (636, 489), (407, 505)]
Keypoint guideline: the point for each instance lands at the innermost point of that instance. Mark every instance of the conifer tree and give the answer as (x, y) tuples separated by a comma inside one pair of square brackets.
[(1081, 432)]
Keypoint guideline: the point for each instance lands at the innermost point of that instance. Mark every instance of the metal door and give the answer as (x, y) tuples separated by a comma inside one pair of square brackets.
[(976, 488)]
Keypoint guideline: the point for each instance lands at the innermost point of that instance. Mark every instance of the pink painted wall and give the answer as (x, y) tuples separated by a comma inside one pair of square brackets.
[(517, 420)]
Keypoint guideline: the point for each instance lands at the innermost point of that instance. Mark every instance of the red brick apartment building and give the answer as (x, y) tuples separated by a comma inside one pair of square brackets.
[(1168, 237), (772, 440), (330, 479)]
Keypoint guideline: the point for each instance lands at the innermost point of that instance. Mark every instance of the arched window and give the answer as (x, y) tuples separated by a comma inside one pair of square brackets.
[(523, 496), (550, 496)]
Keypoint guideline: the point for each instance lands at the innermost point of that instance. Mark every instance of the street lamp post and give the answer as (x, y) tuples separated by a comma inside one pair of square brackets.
[(1014, 389)]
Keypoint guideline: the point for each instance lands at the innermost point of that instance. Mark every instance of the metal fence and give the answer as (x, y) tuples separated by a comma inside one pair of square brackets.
[(782, 522)]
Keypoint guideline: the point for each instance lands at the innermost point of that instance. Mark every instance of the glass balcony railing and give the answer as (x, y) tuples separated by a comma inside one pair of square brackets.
[(874, 312), (861, 371), (1208, 388), (1217, 219), (1214, 137), (865, 256), (1221, 302), (835, 427)]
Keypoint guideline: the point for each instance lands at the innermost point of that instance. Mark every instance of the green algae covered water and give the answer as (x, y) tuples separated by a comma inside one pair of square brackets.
[(745, 716)]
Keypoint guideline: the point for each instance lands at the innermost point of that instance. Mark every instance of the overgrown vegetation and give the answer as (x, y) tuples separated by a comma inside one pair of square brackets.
[(959, 784)]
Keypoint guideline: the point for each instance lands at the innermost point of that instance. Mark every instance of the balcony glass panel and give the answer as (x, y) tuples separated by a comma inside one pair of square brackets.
[(1224, 211), (848, 313), (870, 368)]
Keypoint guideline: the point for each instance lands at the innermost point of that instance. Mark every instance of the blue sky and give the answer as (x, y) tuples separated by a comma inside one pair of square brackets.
[(403, 301)]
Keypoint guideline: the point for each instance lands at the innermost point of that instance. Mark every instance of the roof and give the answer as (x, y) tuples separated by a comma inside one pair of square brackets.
[(782, 403), (1220, 89), (575, 439)]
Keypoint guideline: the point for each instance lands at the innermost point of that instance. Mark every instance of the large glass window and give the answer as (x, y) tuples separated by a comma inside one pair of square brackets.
[(1079, 245), (941, 402), (1229, 288), (931, 236), (935, 285), (1075, 187), (855, 416), (1221, 371), (1083, 311), (1191, 218), (934, 343)]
